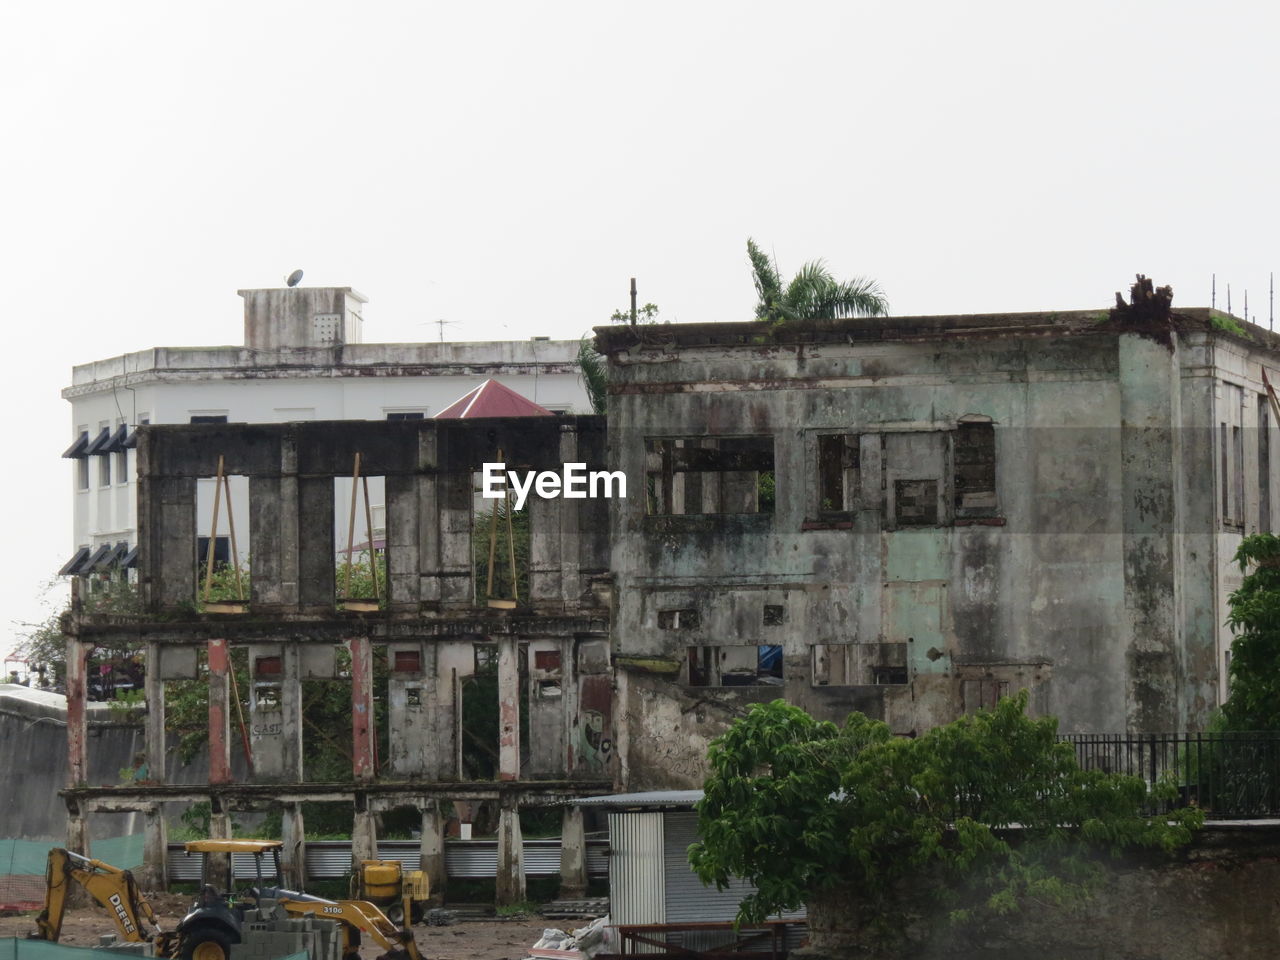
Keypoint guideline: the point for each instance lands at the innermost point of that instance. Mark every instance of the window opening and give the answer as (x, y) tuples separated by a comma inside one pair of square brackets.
[(686, 619), (837, 472), (737, 665), (709, 475), (362, 574), (975, 470)]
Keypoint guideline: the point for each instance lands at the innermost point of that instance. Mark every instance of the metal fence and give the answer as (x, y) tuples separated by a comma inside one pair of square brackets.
[(1231, 776)]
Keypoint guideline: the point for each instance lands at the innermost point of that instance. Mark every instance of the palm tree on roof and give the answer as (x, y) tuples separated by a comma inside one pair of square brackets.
[(812, 294)]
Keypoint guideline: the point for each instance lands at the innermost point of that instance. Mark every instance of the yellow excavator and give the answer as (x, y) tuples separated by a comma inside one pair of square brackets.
[(216, 920)]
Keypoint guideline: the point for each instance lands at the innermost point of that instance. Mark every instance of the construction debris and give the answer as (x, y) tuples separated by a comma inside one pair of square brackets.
[(581, 944)]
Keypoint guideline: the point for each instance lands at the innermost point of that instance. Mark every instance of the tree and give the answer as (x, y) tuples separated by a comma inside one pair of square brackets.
[(810, 812), (1254, 700), (812, 294)]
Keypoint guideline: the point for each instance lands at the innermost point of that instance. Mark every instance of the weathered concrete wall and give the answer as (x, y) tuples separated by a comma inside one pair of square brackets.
[(1215, 899), (1092, 578)]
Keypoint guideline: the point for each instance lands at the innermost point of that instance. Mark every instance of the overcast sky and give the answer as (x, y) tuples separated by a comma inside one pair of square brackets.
[(508, 166)]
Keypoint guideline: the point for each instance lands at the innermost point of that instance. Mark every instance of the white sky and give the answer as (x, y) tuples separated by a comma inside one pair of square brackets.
[(508, 166)]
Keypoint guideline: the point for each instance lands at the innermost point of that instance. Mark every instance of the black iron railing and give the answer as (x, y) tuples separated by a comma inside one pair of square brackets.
[(1231, 776)]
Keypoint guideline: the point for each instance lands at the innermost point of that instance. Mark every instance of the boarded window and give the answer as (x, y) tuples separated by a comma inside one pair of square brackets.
[(837, 472), (859, 664), (975, 470), (268, 667), (915, 475), (737, 665), (773, 614), (709, 475), (686, 619), (407, 661), (546, 659), (915, 502), (982, 694)]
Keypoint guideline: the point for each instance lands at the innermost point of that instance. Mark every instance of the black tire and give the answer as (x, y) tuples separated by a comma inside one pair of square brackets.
[(395, 913), (417, 911), (207, 943)]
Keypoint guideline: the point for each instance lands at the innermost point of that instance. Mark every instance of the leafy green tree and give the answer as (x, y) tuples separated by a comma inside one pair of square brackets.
[(812, 294), (808, 811), (1254, 699)]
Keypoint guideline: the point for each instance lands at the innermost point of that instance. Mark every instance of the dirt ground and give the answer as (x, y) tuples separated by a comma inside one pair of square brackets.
[(483, 940)]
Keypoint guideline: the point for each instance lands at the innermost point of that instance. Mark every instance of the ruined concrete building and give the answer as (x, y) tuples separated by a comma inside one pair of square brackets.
[(913, 516), (905, 516), (303, 357)]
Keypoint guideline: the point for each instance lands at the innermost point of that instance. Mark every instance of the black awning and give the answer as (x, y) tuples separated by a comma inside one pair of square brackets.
[(131, 440), (76, 450), (99, 443), (95, 561), (116, 443), (130, 559), (72, 566)]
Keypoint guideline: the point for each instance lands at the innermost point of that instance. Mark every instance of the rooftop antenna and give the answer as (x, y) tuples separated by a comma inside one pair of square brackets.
[(1271, 302), (1246, 305), (294, 278), (441, 323), (1213, 291), (633, 301), (1228, 299)]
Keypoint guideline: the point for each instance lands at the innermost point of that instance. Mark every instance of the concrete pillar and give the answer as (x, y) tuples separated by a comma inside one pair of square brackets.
[(508, 708), (77, 726), (218, 871), (573, 855), (1150, 411), (510, 887), (155, 739), (293, 856), (431, 858), (155, 850), (364, 836), (77, 830), (78, 842), (363, 728), (219, 712), (275, 714)]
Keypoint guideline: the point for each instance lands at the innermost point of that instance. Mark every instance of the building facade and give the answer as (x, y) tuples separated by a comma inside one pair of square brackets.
[(914, 516), (302, 359)]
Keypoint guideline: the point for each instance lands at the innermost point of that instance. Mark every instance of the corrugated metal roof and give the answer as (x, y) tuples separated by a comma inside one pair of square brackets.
[(649, 800)]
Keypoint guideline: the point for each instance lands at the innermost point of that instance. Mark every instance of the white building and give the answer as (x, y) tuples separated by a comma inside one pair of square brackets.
[(302, 359)]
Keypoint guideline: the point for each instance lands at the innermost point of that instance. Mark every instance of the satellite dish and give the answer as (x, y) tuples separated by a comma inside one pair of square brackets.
[(294, 278)]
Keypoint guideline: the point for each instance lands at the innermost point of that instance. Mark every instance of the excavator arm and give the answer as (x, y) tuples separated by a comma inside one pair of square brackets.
[(356, 915), (113, 888)]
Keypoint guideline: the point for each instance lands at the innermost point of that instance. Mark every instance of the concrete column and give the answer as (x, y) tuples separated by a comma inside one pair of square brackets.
[(219, 712), (431, 858), (293, 859), (155, 850), (77, 726), (1150, 410), (573, 855), (363, 729), (155, 739), (218, 870), (508, 708), (77, 830), (78, 842), (510, 886), (364, 836)]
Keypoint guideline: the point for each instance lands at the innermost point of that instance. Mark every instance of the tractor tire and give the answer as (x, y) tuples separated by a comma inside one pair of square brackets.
[(417, 911), (395, 913), (206, 943)]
